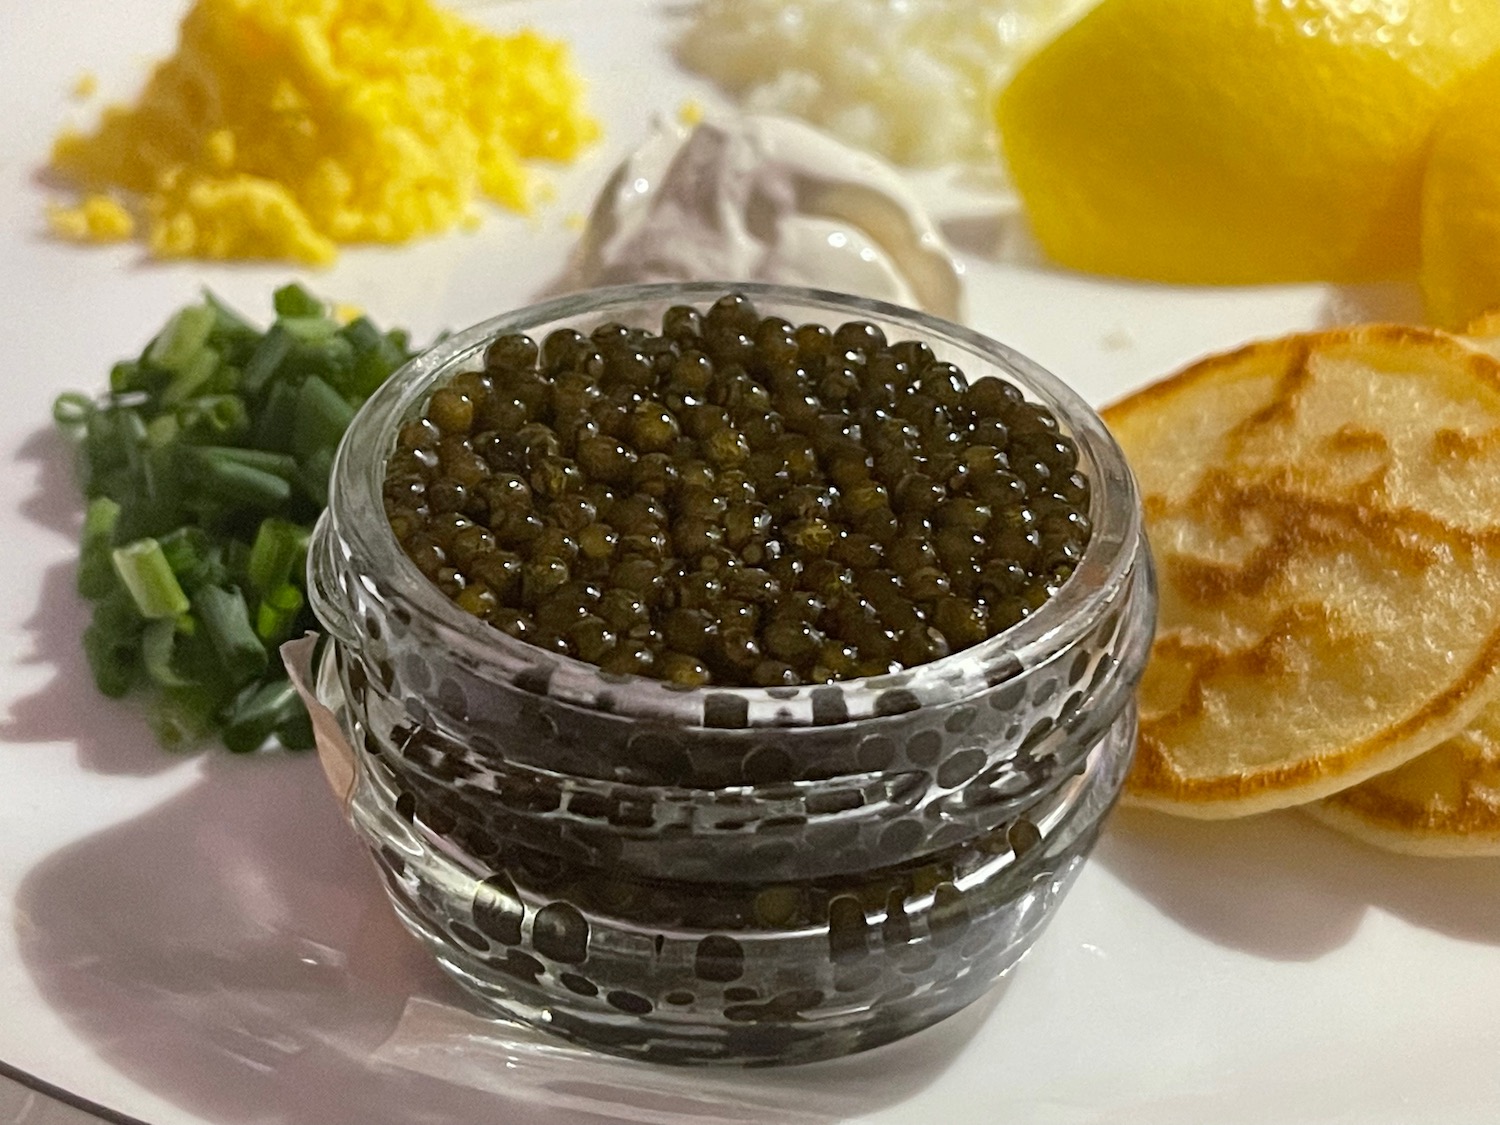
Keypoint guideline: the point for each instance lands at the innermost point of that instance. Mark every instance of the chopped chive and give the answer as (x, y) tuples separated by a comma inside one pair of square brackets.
[(185, 715), (282, 465), (184, 336), (322, 417), (333, 360), (208, 459), (308, 329), (111, 442), (111, 643), (277, 613), (273, 430), (72, 410), (293, 300), (228, 323), (214, 419), (158, 647), (193, 557), (280, 548), (129, 439), (362, 334), (316, 470), (124, 376), (267, 358), (96, 567), (148, 576), (230, 480), (226, 622), (162, 431), (224, 381), (374, 367), (296, 733), (257, 712), (191, 376)]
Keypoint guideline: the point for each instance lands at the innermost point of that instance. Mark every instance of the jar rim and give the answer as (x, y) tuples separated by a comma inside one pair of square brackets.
[(356, 515)]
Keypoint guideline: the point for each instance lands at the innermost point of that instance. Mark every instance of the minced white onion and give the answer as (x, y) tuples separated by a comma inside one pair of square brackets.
[(912, 80)]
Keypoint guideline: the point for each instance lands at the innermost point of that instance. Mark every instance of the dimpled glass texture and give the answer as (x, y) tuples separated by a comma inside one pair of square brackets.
[(746, 875)]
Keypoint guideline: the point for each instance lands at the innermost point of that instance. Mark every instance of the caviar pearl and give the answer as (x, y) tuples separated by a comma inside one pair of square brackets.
[(636, 500)]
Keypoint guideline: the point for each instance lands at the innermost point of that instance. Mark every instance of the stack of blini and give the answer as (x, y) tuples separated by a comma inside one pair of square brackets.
[(1324, 512)]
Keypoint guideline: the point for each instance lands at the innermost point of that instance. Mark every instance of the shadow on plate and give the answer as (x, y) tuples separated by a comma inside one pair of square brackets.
[(233, 952), (55, 504), (1283, 887), (999, 235), (1380, 302)]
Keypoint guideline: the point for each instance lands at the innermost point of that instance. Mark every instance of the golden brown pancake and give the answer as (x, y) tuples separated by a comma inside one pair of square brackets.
[(1484, 330), (1445, 802), (1324, 511)]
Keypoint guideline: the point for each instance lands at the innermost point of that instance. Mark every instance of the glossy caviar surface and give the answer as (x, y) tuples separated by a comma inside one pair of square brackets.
[(737, 500)]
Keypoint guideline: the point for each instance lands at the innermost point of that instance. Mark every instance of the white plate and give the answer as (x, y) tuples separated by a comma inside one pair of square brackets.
[(200, 940)]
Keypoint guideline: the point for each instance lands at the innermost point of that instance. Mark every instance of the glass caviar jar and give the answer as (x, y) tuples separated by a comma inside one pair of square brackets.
[(726, 874)]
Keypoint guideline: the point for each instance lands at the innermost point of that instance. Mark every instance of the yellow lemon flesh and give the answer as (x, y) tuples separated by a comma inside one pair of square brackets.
[(1461, 206), (1238, 141)]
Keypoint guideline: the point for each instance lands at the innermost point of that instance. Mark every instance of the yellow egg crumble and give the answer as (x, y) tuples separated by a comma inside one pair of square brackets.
[(281, 128)]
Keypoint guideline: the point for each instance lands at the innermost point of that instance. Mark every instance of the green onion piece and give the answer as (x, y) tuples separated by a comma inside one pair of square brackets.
[(226, 621), (331, 360), (162, 431), (225, 380), (267, 358), (373, 368), (362, 333), (293, 300), (280, 547), (194, 557), (282, 465), (124, 376), (148, 576), (277, 614), (128, 438), (322, 417), (111, 643), (71, 410), (296, 733), (182, 716), (229, 324), (214, 419), (96, 566), (191, 376), (308, 329), (158, 645), (111, 444), (228, 481), (273, 430), (179, 343), (257, 712), (316, 470), (208, 460)]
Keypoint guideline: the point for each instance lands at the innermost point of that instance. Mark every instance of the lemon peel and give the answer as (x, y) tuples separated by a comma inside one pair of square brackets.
[(1461, 206)]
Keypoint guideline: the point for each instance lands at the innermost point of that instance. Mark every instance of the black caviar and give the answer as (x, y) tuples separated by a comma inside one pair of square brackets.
[(736, 499)]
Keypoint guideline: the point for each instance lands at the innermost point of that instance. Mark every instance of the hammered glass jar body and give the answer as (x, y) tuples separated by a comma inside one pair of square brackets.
[(726, 874)]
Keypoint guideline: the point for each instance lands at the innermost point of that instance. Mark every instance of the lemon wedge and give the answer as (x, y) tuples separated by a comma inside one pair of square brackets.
[(1461, 206), (1239, 141)]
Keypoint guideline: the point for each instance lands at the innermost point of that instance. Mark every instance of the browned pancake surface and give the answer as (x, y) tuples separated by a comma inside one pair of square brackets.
[(1445, 802), (1322, 512)]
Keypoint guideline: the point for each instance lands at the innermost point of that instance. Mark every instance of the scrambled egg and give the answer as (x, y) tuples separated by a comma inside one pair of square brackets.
[(282, 128), (98, 218)]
